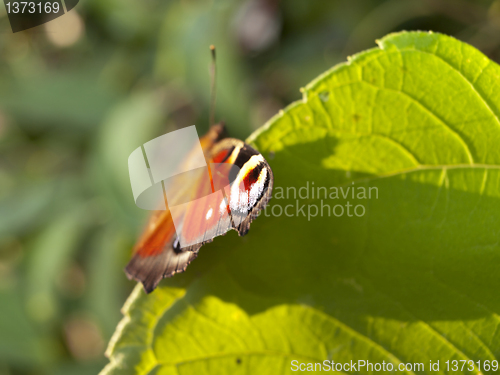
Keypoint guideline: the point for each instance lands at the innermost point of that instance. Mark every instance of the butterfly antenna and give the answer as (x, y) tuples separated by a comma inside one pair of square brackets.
[(213, 76)]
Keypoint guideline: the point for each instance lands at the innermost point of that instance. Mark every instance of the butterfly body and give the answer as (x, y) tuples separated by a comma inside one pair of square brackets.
[(228, 195)]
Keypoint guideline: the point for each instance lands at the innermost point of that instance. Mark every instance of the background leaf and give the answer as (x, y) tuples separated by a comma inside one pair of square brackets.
[(415, 123)]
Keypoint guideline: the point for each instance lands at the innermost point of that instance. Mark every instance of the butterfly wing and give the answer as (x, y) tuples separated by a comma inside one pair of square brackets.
[(251, 189), (156, 254), (241, 184)]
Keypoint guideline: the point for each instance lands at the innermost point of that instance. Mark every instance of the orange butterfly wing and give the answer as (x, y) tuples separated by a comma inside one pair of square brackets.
[(172, 238)]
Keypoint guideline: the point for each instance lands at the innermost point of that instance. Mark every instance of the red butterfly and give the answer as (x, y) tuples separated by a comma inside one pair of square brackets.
[(230, 200)]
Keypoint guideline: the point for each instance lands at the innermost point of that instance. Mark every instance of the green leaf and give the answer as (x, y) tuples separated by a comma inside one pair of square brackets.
[(104, 296), (415, 123), (49, 254), (128, 125), (40, 100), (20, 343)]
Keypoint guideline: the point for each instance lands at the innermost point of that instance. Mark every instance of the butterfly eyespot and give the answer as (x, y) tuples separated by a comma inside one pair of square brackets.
[(173, 237), (176, 245)]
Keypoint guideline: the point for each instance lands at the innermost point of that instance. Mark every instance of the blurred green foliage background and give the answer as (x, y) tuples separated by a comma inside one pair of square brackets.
[(81, 92)]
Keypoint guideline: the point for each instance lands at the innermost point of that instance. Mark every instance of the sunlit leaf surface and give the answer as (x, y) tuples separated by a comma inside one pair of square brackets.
[(415, 125)]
